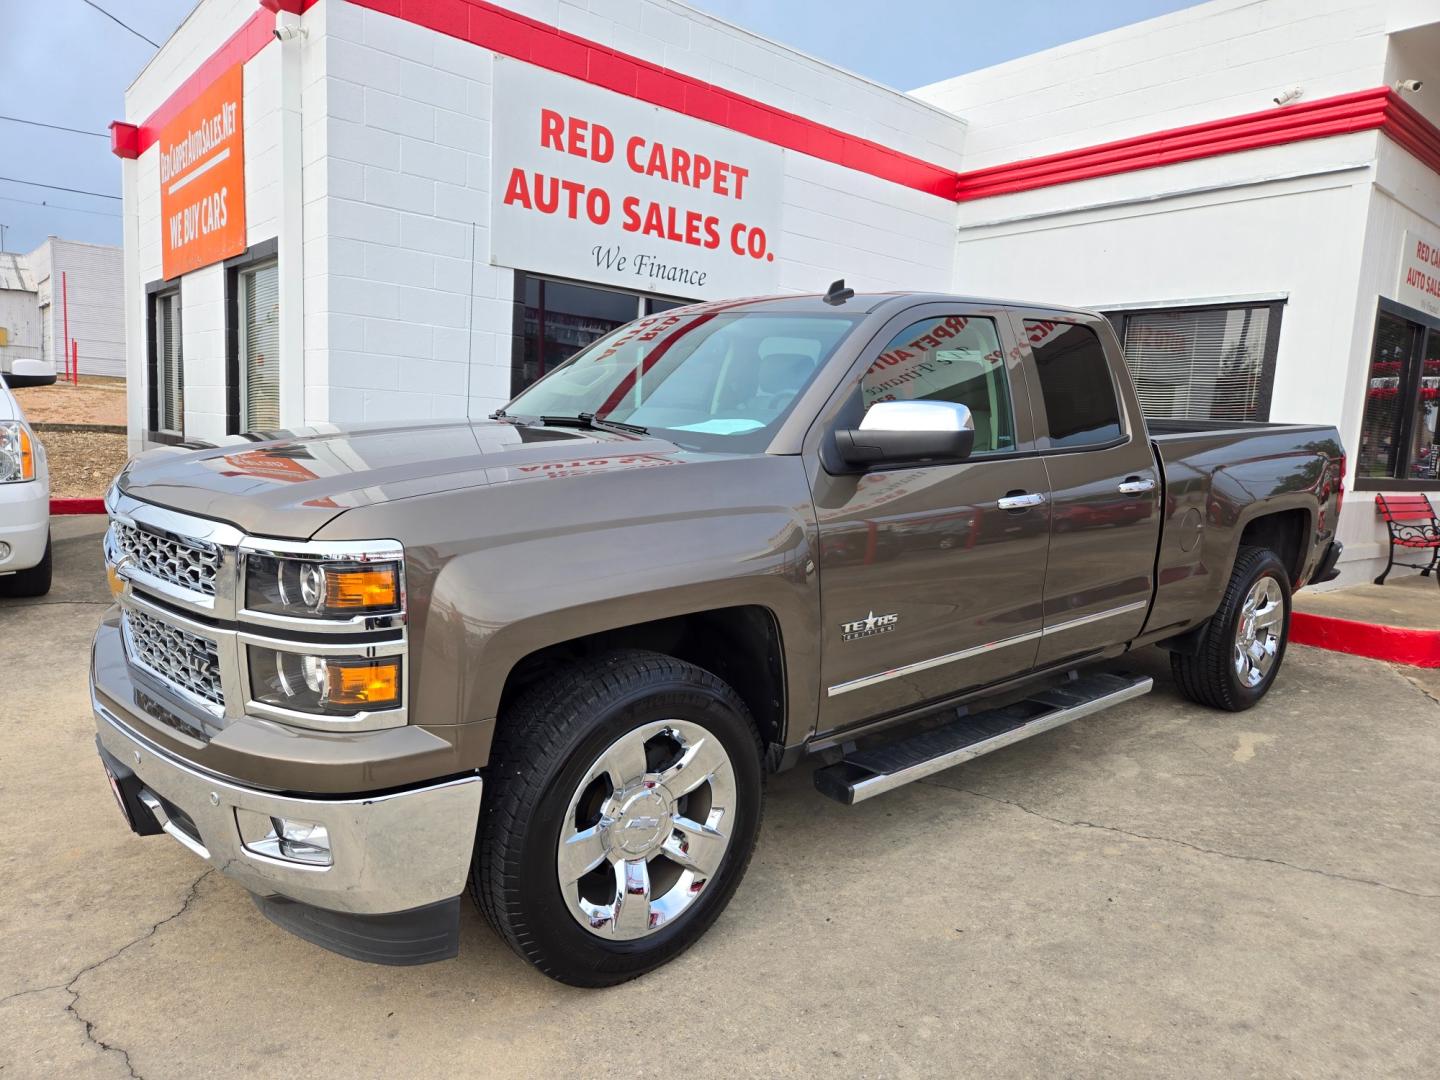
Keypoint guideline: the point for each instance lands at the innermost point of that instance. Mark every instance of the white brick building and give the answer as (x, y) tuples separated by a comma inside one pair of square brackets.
[(423, 206), (64, 287)]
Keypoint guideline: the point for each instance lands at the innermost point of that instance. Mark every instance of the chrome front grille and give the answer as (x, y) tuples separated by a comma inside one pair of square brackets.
[(183, 564), (173, 655)]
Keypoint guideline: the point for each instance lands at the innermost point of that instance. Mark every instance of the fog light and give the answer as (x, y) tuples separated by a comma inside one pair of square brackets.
[(4, 551), (289, 839)]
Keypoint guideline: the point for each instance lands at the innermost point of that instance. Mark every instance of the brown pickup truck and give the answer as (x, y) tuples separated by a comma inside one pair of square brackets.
[(556, 653)]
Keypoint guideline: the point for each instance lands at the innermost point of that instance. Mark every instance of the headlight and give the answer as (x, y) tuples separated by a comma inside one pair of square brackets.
[(324, 685), (17, 453), (321, 589)]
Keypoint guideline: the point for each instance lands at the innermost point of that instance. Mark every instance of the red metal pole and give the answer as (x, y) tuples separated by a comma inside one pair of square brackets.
[(65, 311), (75, 367)]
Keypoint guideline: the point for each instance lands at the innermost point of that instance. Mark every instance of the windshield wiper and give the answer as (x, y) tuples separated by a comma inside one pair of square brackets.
[(591, 422)]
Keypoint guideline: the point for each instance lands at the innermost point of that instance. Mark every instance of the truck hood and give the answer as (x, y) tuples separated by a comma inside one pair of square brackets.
[(291, 485)]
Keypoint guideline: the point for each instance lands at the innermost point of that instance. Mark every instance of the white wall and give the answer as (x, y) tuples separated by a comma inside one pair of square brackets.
[(394, 186), (93, 278), (1223, 58), (406, 146)]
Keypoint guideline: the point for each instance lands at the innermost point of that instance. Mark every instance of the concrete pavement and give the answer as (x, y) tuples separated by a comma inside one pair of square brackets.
[(1156, 891)]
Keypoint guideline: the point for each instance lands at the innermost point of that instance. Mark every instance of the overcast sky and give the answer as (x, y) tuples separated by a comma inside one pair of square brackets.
[(63, 62)]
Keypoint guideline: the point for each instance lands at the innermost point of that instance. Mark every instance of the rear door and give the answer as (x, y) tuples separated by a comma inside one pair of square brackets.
[(1104, 484), (928, 585)]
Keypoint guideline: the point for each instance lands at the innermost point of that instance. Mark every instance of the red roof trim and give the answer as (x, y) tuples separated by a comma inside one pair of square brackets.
[(1364, 110), (491, 27), (124, 139), (549, 47)]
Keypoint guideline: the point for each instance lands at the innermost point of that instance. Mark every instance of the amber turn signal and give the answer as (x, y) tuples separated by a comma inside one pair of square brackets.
[(362, 589), (373, 684), (27, 455)]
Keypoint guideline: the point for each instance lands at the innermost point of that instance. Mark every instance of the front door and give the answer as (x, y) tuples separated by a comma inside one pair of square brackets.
[(929, 584), (1105, 492)]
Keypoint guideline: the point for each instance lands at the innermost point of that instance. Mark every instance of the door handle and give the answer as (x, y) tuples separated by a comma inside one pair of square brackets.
[(1021, 501), (1137, 485)]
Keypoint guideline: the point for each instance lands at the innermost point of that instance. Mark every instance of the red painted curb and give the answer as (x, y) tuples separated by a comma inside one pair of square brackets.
[(65, 507), (1398, 644)]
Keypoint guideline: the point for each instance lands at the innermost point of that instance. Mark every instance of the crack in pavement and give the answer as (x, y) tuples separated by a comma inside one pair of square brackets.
[(69, 985), (1186, 844), (1416, 684)]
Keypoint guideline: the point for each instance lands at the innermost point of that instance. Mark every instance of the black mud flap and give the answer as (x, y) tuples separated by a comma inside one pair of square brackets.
[(421, 935)]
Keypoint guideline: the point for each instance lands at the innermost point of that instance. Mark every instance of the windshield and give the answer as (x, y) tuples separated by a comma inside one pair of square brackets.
[(707, 379)]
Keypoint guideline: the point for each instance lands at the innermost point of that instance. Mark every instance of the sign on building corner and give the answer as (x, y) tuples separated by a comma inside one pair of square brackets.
[(202, 178), (590, 184), (1419, 284)]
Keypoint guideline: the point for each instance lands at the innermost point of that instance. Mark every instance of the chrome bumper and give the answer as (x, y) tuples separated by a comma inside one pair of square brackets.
[(390, 853)]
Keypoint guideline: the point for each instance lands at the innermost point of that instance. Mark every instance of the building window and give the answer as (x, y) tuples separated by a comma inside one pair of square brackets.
[(252, 339), (559, 318), (1399, 447), (166, 366), (1081, 408), (1202, 363), (258, 346)]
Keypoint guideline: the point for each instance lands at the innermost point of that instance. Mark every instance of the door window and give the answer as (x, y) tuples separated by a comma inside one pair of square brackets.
[(949, 358), (1075, 384), (260, 348)]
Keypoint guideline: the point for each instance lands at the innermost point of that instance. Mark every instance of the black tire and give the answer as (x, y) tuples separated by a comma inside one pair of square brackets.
[(1209, 677), (545, 744), (32, 582)]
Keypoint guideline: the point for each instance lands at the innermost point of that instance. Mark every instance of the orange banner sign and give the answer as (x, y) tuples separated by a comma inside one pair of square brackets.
[(202, 178)]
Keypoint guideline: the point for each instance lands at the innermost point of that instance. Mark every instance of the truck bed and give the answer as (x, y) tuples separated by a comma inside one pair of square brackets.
[(1220, 475)]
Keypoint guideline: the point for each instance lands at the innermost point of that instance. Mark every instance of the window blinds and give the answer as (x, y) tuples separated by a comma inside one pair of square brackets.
[(1198, 364), (170, 377), (260, 348)]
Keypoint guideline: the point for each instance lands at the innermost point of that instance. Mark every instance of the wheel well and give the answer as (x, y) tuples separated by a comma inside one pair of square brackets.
[(741, 645), (1284, 533)]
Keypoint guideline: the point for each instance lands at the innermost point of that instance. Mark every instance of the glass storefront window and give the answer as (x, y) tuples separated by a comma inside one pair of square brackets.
[(1203, 363), (561, 318), (1399, 443), (1424, 452)]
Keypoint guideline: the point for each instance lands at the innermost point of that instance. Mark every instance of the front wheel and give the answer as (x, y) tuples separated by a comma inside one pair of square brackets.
[(621, 807), (1241, 650)]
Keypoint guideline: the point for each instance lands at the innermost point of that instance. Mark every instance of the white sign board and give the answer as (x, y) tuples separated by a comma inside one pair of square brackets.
[(1419, 285), (590, 184)]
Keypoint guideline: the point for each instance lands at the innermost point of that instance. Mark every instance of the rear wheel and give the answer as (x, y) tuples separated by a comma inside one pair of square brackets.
[(622, 804), (32, 582), (1241, 650)]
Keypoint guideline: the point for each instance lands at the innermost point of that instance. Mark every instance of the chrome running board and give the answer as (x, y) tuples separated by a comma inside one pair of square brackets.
[(863, 774)]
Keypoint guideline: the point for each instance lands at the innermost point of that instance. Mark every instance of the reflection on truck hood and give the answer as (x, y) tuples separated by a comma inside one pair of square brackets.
[(289, 484)]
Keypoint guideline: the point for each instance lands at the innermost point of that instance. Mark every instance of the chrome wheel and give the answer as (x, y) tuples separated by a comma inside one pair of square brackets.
[(646, 830), (1257, 638)]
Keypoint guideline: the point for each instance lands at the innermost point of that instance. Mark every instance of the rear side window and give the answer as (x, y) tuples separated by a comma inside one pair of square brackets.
[(950, 358), (1075, 383)]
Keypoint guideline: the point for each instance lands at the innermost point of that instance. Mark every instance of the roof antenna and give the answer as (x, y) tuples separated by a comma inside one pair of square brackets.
[(837, 294)]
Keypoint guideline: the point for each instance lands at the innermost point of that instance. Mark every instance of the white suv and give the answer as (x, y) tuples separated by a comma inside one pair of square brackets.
[(24, 504)]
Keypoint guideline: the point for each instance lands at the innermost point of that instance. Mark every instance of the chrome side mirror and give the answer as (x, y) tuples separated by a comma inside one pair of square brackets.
[(909, 432)]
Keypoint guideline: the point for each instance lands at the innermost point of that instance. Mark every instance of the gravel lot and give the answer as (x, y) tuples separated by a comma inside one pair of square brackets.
[(82, 463), (94, 401), (1157, 891)]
